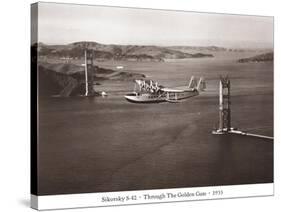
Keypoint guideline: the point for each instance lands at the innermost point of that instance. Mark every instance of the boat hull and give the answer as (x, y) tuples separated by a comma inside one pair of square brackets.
[(153, 98), (143, 99)]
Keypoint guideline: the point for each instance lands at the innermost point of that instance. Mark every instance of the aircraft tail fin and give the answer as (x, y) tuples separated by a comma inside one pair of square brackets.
[(192, 82), (201, 86)]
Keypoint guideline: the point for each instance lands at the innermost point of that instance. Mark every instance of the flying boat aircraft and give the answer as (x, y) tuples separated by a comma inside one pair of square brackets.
[(148, 91)]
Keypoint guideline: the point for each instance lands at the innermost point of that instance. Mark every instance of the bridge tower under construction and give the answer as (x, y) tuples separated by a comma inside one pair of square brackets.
[(224, 107), (89, 72), (224, 126)]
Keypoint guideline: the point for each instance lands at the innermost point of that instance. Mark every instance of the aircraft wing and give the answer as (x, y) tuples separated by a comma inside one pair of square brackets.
[(179, 89), (172, 90)]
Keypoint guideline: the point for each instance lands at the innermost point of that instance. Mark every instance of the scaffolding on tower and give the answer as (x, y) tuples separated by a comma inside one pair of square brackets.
[(224, 125)]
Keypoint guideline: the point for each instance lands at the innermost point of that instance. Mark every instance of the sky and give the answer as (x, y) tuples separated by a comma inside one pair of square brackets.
[(67, 23)]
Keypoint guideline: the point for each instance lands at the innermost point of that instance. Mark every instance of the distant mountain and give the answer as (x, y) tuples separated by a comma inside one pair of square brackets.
[(214, 49), (69, 79), (198, 48), (115, 52), (267, 57)]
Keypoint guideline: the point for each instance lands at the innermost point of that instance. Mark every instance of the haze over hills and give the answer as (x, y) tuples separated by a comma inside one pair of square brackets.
[(134, 52), (116, 52)]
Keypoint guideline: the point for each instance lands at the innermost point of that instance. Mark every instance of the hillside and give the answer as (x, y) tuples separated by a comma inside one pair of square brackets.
[(198, 48), (267, 57), (214, 49), (115, 52), (69, 79)]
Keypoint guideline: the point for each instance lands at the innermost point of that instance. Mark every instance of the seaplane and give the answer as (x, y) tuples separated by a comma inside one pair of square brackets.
[(149, 91)]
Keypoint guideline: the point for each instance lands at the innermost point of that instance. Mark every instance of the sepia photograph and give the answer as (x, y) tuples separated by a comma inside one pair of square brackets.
[(141, 99)]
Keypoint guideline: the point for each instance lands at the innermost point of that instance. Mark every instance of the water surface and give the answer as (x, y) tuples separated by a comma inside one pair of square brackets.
[(108, 144)]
